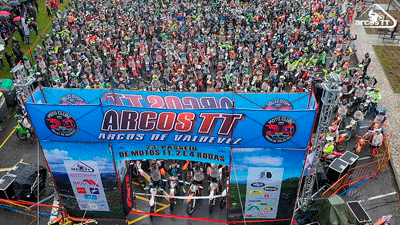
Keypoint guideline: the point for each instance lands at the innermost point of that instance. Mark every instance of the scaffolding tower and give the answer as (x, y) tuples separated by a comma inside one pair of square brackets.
[(330, 97)]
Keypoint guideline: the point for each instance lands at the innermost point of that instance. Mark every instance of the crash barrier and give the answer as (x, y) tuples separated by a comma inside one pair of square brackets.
[(361, 172), (26, 211)]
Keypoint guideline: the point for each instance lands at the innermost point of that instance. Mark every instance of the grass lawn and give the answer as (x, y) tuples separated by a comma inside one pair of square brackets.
[(389, 56), (43, 21)]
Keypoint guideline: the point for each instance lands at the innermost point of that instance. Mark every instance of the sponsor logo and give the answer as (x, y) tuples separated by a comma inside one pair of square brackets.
[(94, 191), (270, 188), (255, 192), (268, 204), (278, 103), (93, 206), (91, 182), (81, 167), (258, 184), (84, 206), (82, 175), (254, 200), (61, 123), (376, 17), (253, 207), (267, 208), (81, 190), (266, 196), (72, 99), (90, 197), (279, 129)]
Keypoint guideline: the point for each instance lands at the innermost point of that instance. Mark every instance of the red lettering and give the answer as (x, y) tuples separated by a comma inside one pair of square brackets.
[(155, 101), (147, 122), (229, 123), (185, 123), (208, 123), (166, 121), (173, 102)]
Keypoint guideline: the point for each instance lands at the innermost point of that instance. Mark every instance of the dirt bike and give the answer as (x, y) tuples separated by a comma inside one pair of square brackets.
[(194, 191), (173, 189), (154, 190), (362, 141), (224, 199), (24, 128), (214, 188)]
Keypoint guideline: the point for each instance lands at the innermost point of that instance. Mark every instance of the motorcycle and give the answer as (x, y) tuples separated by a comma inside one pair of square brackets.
[(24, 128), (173, 189), (362, 141), (224, 199), (353, 126), (154, 190), (213, 191), (194, 191)]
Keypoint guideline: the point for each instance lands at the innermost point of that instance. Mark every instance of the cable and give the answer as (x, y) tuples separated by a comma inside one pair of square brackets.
[(240, 197)]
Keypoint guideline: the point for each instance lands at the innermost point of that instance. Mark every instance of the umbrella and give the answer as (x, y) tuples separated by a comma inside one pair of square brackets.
[(5, 13), (14, 3), (4, 17), (6, 8), (18, 18)]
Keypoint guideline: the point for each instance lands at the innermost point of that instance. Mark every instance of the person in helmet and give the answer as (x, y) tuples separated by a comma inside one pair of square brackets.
[(376, 141), (214, 173), (333, 132), (375, 97), (157, 172), (174, 170), (380, 119)]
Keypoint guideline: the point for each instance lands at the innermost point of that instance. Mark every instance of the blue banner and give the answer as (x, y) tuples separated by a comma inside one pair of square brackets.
[(207, 127), (167, 100), (219, 155)]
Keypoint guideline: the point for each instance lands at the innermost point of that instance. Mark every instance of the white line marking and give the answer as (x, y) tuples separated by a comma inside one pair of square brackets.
[(364, 126), (364, 158), (379, 196)]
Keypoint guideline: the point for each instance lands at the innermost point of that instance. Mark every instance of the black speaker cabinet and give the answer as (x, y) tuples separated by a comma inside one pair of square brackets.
[(336, 169)]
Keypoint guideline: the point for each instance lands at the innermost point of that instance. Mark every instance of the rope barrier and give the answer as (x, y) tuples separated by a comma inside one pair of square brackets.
[(28, 212), (29, 203), (181, 197)]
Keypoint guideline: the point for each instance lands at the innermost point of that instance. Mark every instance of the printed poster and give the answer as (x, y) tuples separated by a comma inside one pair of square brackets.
[(263, 192), (87, 185)]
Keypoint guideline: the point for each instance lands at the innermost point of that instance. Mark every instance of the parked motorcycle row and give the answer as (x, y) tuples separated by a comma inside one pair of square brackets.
[(181, 182)]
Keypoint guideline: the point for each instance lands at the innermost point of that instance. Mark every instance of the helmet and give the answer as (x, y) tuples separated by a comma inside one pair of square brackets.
[(377, 89), (213, 165), (382, 111), (329, 139), (153, 163), (333, 128)]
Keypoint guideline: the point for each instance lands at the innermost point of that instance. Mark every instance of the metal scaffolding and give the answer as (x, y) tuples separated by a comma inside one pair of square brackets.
[(330, 97)]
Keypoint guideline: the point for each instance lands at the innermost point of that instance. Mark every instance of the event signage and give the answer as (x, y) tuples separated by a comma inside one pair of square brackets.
[(263, 191), (219, 155), (87, 185), (212, 127)]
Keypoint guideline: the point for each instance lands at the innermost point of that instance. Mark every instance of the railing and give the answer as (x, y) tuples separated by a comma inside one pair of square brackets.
[(360, 172)]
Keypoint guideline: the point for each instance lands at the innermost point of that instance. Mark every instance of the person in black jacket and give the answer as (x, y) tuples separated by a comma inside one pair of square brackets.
[(17, 51)]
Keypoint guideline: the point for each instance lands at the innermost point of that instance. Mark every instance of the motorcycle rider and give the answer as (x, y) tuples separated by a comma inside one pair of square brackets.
[(215, 174), (328, 148), (333, 132), (379, 119), (157, 171), (198, 175), (375, 97), (376, 141), (174, 170)]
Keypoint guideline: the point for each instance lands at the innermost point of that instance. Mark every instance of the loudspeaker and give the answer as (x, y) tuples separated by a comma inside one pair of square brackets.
[(336, 169)]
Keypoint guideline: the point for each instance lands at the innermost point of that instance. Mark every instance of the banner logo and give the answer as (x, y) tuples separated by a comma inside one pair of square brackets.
[(258, 184), (72, 99), (61, 123), (81, 167), (376, 17), (279, 129), (278, 103)]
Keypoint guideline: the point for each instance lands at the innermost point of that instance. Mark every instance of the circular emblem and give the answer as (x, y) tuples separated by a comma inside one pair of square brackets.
[(72, 99), (61, 123), (279, 129), (278, 103), (258, 184)]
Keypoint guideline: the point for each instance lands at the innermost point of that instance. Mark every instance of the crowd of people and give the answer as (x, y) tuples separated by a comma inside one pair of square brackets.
[(197, 46)]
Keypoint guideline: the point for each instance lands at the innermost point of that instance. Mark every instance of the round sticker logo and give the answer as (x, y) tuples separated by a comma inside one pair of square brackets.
[(279, 129), (258, 184), (278, 103), (61, 123), (72, 99)]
